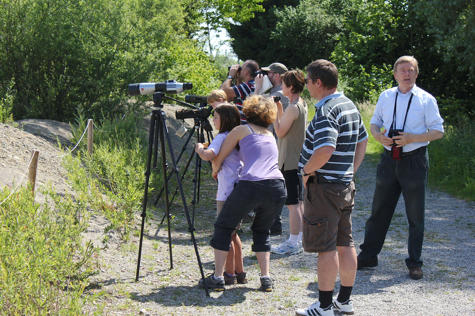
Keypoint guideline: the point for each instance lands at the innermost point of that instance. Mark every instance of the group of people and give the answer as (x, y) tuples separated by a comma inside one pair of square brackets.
[(265, 157)]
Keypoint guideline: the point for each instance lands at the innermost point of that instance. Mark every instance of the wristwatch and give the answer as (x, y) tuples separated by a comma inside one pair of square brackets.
[(230, 77)]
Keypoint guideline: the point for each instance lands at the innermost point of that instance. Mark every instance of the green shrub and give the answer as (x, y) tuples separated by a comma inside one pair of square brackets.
[(7, 98), (452, 161), (111, 180), (68, 55), (43, 263)]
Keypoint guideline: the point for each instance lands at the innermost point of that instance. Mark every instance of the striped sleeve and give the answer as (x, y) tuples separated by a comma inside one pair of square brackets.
[(362, 134)]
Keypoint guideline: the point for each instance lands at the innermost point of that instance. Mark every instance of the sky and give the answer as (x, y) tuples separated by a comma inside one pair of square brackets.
[(220, 41)]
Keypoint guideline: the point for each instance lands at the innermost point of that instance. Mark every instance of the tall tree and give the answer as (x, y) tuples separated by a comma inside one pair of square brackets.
[(308, 31), (252, 39)]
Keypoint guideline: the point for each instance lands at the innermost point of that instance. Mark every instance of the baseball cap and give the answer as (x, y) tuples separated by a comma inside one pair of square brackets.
[(276, 67)]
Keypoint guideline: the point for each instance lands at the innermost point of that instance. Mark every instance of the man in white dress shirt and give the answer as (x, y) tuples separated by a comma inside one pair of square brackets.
[(405, 120)]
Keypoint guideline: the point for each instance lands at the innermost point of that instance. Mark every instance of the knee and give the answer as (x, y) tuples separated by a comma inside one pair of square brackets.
[(221, 238)]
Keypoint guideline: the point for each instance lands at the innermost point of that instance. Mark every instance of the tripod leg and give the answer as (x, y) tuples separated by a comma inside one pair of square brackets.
[(182, 193), (176, 190), (162, 129), (153, 123), (178, 159)]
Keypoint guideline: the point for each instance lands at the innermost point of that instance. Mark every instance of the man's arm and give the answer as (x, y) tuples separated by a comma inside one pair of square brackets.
[(318, 159), (359, 154), (227, 84), (407, 138), (227, 88)]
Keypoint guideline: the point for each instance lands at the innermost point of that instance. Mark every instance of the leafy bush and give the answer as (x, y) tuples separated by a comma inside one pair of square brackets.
[(111, 180), (68, 55), (43, 262), (7, 98), (452, 161)]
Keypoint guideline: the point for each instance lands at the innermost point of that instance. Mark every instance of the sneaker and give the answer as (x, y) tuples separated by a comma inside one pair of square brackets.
[(287, 248), (229, 279), (266, 284), (415, 273), (367, 263), (212, 282), (345, 308), (241, 278), (315, 310)]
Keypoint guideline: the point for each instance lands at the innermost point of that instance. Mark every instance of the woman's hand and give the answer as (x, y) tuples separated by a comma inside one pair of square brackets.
[(198, 147)]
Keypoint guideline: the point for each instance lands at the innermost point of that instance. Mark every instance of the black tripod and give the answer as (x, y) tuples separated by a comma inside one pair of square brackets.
[(158, 129), (203, 131)]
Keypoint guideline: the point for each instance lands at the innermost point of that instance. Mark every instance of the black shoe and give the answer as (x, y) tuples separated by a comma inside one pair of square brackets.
[(367, 263), (415, 273), (266, 284), (213, 283)]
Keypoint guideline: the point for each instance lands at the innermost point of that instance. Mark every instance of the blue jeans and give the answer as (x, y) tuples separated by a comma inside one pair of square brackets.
[(265, 197), (409, 176)]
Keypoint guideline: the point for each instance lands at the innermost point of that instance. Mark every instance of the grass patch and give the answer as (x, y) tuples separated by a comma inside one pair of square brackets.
[(44, 265), (452, 161)]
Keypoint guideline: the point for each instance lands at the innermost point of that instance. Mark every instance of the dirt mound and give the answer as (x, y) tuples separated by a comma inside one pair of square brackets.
[(17, 146)]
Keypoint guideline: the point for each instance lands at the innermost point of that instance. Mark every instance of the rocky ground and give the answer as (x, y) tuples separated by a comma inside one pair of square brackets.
[(448, 286)]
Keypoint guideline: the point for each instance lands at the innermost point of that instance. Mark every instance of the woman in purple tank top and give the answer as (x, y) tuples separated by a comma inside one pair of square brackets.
[(260, 188)]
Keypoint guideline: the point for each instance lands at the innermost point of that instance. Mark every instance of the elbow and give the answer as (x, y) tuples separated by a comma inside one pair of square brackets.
[(439, 135)]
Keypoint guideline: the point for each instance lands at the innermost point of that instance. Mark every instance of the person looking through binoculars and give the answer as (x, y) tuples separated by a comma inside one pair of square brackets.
[(244, 83), (226, 117), (290, 129), (260, 188)]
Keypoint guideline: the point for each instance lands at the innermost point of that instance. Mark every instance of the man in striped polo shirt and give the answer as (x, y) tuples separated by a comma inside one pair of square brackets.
[(244, 78), (334, 148)]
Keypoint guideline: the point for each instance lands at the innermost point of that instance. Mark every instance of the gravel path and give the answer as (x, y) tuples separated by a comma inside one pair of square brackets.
[(448, 286)]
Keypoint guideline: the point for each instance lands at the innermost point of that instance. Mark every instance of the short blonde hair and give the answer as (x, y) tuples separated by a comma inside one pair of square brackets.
[(260, 110), (406, 59), (216, 95)]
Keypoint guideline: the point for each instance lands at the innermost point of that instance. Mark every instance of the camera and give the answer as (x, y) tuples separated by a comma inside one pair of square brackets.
[(394, 132), (276, 99), (259, 72), (190, 98), (201, 113), (396, 152), (169, 86)]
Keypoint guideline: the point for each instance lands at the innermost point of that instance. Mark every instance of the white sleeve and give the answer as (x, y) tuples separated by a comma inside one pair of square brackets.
[(377, 118), (215, 145), (433, 120)]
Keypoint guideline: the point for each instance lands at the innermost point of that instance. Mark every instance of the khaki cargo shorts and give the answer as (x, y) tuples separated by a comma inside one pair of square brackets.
[(327, 215)]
